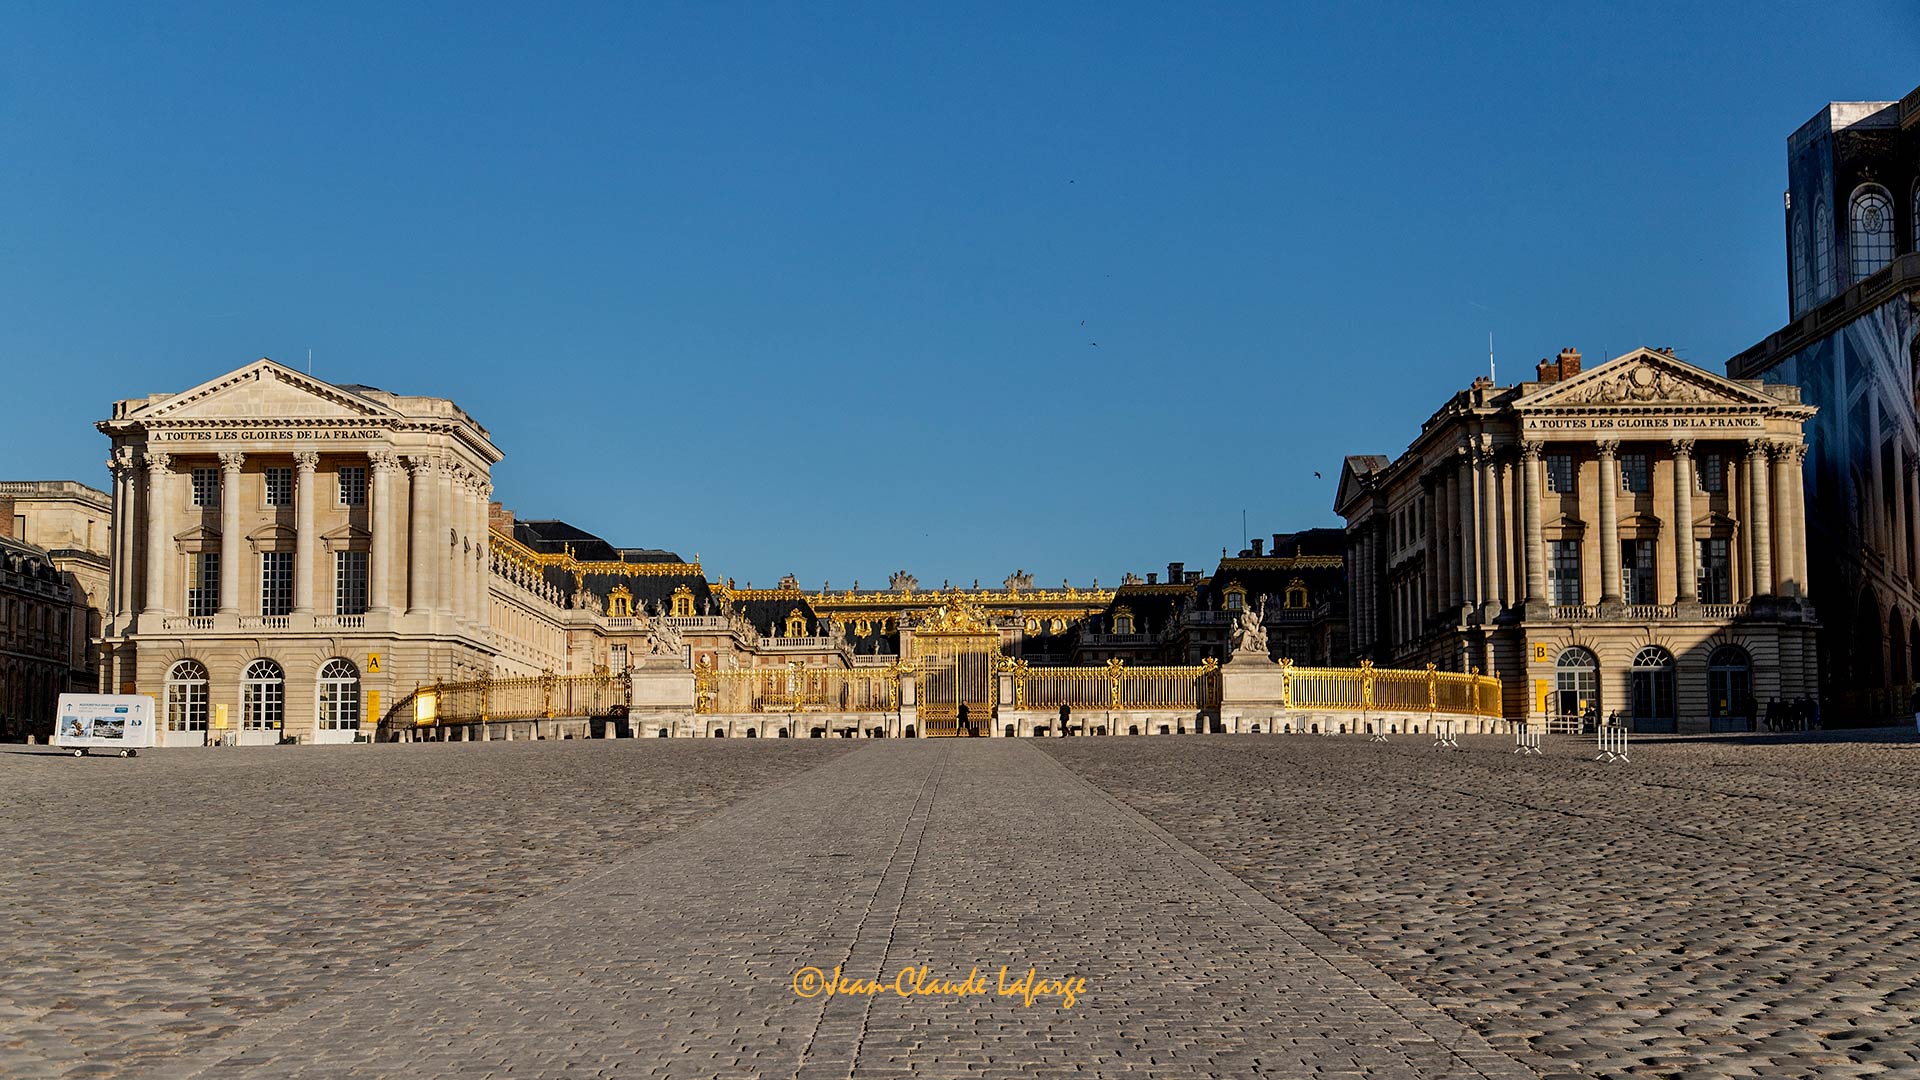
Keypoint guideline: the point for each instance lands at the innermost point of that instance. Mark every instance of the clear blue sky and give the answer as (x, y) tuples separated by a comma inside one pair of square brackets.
[(814, 288)]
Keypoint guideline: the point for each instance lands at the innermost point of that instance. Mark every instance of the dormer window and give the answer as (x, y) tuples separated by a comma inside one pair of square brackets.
[(620, 603), (796, 624), (683, 603), (1235, 598), (1296, 594), (1122, 620)]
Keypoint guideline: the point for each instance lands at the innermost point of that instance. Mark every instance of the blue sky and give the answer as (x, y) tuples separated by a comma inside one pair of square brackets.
[(817, 288)]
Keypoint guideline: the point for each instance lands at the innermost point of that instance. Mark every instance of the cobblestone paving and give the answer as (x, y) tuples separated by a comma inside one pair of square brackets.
[(679, 959), (154, 903), (1715, 908)]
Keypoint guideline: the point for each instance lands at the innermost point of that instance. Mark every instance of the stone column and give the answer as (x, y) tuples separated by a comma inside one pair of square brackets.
[(230, 539), (483, 577), (381, 533), (1876, 511), (1533, 466), (446, 540), (1760, 537), (1743, 572), (420, 470), (1489, 521), (1785, 528), (1465, 532), (1901, 548), (1686, 574), (158, 532), (305, 463), (1609, 520), (120, 568)]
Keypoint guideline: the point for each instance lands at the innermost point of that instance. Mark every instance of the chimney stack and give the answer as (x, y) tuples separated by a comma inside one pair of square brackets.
[(500, 519), (1153, 578), (1569, 362), (1547, 371), (6, 518), (1259, 547), (1174, 572)]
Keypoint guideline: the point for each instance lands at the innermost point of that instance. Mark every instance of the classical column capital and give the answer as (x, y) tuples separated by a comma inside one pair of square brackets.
[(1608, 448), (417, 463), (1532, 450), (122, 459), (307, 460), (1786, 453), (1756, 448), (231, 460), (1683, 448), (157, 461), (383, 461)]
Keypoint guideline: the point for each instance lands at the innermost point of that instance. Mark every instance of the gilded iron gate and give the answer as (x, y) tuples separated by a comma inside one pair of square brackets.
[(957, 655)]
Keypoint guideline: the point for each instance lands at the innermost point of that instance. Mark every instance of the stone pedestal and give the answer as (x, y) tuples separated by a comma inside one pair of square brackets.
[(1250, 680), (661, 682)]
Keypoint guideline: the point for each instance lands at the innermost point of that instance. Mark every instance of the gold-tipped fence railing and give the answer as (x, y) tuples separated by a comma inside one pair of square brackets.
[(526, 697), (1368, 688), (795, 688), (1116, 686)]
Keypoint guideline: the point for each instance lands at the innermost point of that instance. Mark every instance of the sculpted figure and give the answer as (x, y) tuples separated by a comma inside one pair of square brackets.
[(1250, 632)]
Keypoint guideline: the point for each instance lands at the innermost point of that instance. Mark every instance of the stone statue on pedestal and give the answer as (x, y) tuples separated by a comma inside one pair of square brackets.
[(1250, 632)]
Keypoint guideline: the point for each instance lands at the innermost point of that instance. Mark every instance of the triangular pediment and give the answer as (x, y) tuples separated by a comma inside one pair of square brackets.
[(347, 538), (264, 390), (1645, 377), (199, 534)]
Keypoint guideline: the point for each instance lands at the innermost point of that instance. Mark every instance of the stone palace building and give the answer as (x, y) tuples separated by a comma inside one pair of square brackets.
[(1624, 539)]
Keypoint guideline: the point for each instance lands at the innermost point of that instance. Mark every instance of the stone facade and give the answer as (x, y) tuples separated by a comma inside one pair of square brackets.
[(293, 553), (44, 650), (1623, 541)]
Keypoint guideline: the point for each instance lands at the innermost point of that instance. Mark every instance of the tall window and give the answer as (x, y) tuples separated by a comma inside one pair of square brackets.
[(1651, 679), (1710, 473), (1564, 575), (339, 696), (276, 582), (1870, 230), (1560, 474), (1729, 681), (353, 485), (1636, 571), (617, 659), (187, 696), (1576, 683), (349, 583), (1633, 474), (263, 697), (1822, 251), (1714, 571), (279, 481), (206, 487), (1798, 227), (203, 591)]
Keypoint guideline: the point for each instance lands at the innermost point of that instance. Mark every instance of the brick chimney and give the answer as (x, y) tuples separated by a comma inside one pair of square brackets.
[(1259, 547), (1153, 578), (500, 518), (6, 517), (1175, 572), (1546, 371), (1276, 544), (1569, 362)]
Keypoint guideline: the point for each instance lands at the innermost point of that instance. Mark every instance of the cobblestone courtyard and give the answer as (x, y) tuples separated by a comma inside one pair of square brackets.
[(1267, 905)]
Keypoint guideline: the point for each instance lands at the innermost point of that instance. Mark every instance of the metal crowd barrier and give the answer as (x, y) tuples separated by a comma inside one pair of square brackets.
[(1446, 734), (1527, 742), (1612, 742)]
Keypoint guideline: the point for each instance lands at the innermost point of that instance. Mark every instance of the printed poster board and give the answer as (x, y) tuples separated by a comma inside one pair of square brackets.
[(114, 721)]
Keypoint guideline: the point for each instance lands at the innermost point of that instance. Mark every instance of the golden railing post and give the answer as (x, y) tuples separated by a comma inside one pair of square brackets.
[(439, 703), (1433, 686), (1366, 684), (486, 696), (1113, 682), (1286, 682), (547, 681)]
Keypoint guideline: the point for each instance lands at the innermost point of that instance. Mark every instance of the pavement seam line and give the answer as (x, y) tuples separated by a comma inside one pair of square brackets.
[(196, 1062), (1356, 969)]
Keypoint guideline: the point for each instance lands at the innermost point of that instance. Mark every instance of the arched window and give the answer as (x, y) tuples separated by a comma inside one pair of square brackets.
[(1235, 598), (1296, 593), (187, 696), (1123, 620), (1576, 685), (1651, 682), (263, 697), (1870, 230), (339, 696), (1797, 225), (1729, 682), (683, 603), (619, 603), (1822, 251)]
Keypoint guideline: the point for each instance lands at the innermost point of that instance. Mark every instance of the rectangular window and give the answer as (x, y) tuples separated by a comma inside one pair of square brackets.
[(206, 487), (1710, 473), (1714, 575), (353, 485), (617, 659), (1634, 478), (203, 590), (279, 483), (1560, 474), (1564, 575), (349, 583), (1636, 571), (276, 582)]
